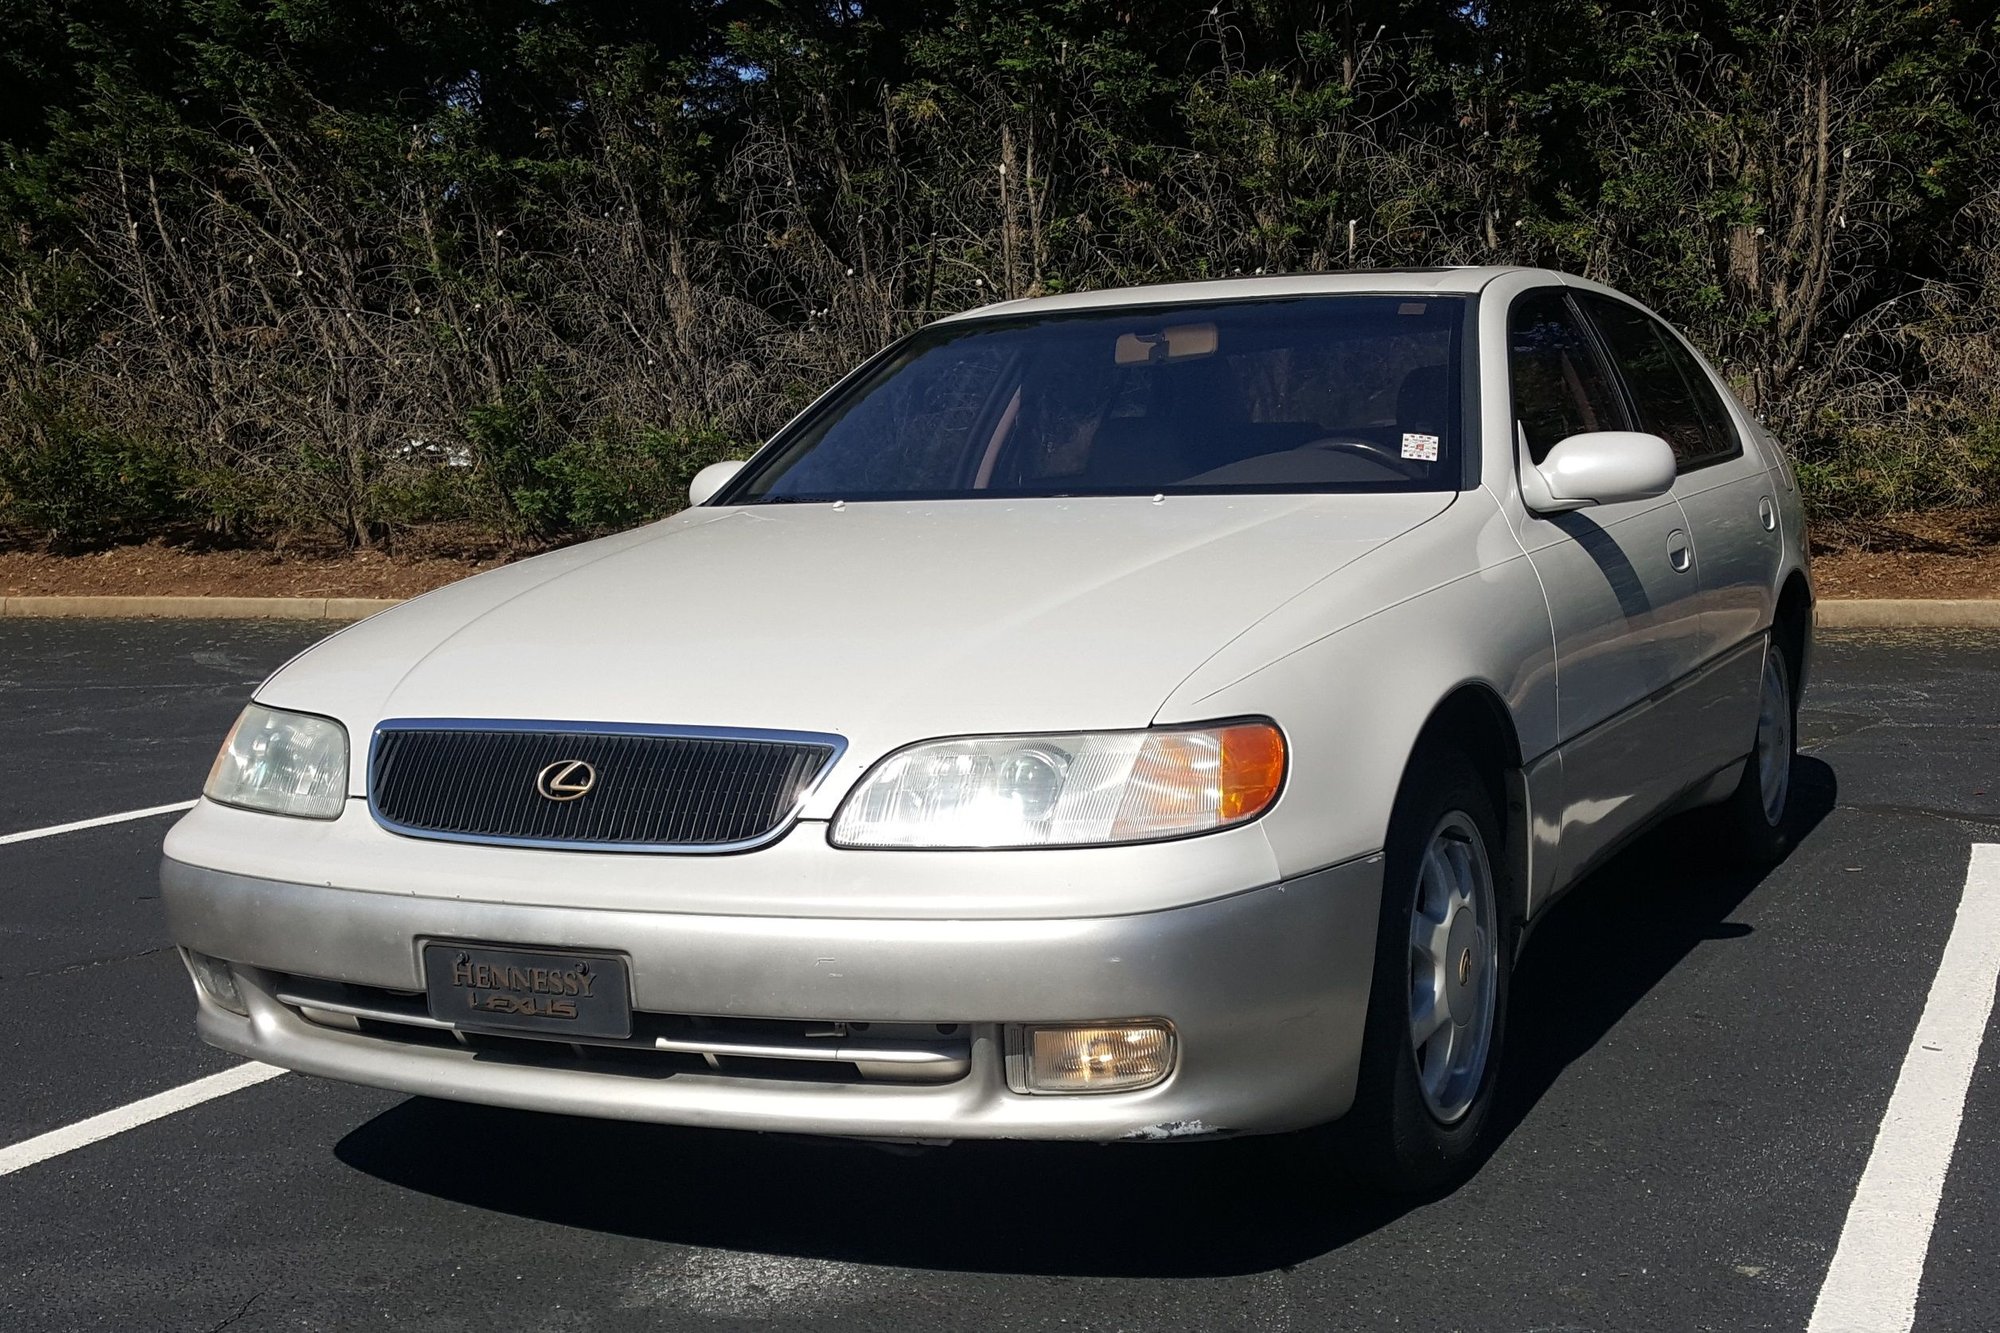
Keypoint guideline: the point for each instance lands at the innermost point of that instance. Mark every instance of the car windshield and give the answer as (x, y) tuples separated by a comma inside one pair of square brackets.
[(1325, 393)]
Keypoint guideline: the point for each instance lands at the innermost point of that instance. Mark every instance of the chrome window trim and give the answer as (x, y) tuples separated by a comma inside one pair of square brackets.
[(661, 730)]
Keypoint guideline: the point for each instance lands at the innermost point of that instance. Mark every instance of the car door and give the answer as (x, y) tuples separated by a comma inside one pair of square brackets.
[(1725, 488), (1622, 589)]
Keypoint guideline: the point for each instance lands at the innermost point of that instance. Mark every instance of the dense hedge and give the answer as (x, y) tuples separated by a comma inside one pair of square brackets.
[(342, 267)]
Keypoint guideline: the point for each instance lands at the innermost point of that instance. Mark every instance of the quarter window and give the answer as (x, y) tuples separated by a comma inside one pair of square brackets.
[(1671, 392), (1560, 385)]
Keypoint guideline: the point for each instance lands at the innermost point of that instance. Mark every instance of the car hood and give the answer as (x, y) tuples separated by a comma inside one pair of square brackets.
[(885, 623)]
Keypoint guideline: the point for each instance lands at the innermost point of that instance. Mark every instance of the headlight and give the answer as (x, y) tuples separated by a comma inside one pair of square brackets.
[(287, 763), (1065, 791)]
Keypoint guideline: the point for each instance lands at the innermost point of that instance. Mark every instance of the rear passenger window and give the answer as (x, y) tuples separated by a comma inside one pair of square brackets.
[(1672, 393), (1560, 386)]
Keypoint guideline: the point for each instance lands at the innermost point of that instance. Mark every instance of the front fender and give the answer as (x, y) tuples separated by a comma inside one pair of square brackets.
[(1354, 698)]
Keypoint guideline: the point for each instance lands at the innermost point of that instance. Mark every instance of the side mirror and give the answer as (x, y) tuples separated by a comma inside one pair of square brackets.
[(711, 478), (1600, 467)]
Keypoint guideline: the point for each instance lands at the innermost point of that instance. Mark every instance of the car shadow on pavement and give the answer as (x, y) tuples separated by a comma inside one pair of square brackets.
[(1178, 1210)]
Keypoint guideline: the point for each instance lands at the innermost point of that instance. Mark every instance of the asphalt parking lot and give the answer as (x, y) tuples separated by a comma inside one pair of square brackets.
[(1699, 1065)]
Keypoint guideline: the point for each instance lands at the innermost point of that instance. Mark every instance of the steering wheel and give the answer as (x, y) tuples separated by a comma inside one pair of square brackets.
[(1368, 449)]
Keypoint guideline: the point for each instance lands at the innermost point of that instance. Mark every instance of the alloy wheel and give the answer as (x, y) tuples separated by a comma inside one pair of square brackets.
[(1454, 941)]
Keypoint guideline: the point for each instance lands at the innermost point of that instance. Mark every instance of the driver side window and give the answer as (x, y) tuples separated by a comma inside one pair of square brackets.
[(1559, 383)]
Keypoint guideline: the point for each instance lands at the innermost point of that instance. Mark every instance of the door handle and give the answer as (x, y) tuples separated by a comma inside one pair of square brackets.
[(1679, 553), (1767, 513)]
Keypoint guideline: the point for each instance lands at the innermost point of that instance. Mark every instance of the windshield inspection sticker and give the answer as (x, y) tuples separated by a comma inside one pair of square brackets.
[(1423, 447)]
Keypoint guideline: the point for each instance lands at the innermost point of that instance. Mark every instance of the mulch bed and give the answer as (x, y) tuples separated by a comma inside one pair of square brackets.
[(1948, 553), (1944, 553), (161, 569)]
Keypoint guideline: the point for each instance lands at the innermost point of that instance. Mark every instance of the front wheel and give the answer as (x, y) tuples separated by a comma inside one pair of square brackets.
[(1756, 811), (1437, 1007)]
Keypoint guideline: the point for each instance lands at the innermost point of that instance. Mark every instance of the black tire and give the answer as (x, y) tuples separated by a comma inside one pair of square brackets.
[(1756, 832), (1392, 1136)]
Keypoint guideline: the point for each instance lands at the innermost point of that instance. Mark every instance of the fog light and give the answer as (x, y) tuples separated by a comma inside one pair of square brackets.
[(1098, 1058), (216, 981)]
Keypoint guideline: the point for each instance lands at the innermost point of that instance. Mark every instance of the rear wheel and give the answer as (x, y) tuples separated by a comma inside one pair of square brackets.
[(1756, 812), (1437, 1009)]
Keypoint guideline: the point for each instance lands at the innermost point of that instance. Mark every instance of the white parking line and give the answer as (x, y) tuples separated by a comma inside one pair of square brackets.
[(86, 1132), (53, 829), (1879, 1265)]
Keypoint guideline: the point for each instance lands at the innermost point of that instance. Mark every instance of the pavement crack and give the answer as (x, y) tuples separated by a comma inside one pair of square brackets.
[(241, 1311), (87, 964), (1972, 818)]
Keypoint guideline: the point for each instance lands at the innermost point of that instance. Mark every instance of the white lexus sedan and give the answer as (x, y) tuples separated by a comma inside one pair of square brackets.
[(1137, 715)]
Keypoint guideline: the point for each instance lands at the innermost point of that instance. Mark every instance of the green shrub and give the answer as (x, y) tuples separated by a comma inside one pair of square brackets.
[(617, 478), (1915, 460), (70, 482)]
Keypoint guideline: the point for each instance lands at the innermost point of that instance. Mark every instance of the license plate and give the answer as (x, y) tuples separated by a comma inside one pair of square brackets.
[(524, 990)]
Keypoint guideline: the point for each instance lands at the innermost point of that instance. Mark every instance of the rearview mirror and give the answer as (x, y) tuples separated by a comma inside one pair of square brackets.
[(711, 478), (1176, 342), (1600, 467)]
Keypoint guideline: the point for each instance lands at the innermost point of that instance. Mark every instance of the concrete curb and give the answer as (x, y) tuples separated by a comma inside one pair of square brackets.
[(1859, 613), (197, 608), (1908, 613)]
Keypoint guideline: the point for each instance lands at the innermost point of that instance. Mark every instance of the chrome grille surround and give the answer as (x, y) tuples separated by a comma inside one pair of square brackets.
[(690, 790)]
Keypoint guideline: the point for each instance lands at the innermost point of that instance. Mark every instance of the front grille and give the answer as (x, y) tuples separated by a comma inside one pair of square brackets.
[(649, 789)]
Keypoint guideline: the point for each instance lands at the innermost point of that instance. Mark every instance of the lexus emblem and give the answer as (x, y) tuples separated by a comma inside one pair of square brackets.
[(566, 779)]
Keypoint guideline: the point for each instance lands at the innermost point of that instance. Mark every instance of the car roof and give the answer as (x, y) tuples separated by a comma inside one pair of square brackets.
[(1441, 281)]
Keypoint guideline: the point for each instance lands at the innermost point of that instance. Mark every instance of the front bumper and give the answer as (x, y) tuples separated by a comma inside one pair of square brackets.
[(1266, 990)]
